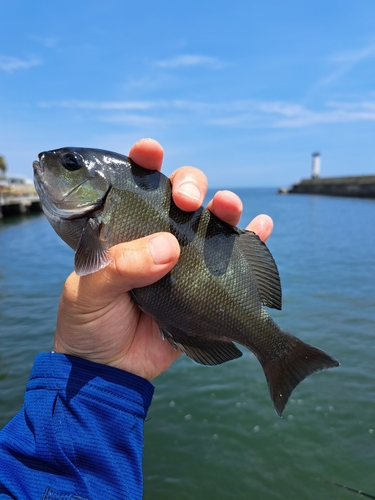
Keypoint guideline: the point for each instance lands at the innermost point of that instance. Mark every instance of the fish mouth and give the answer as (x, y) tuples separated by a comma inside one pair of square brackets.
[(38, 169), (38, 173), (37, 166)]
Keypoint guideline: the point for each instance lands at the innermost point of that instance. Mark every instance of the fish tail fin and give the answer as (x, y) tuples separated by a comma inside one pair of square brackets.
[(297, 361)]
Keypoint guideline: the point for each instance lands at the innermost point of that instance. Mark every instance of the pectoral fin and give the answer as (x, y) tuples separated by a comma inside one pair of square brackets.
[(203, 351), (91, 254)]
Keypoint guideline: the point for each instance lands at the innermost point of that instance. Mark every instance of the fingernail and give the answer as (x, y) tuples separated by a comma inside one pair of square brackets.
[(161, 249), (190, 190), (232, 195)]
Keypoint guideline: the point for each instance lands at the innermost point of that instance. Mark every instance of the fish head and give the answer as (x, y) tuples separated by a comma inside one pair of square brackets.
[(72, 184)]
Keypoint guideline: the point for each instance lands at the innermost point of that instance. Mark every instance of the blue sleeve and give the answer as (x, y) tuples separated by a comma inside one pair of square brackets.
[(79, 434)]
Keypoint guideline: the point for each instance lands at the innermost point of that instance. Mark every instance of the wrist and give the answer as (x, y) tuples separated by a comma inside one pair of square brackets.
[(121, 363)]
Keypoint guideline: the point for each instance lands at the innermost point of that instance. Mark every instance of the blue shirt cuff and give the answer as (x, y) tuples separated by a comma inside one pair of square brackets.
[(74, 375)]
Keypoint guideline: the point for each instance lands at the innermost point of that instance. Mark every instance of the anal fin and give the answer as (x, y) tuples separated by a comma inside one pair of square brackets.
[(203, 351)]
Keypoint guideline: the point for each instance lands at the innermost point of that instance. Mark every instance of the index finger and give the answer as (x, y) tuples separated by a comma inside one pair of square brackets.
[(189, 184), (147, 153), (262, 225)]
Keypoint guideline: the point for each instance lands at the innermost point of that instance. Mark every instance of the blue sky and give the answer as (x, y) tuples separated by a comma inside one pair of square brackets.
[(244, 90)]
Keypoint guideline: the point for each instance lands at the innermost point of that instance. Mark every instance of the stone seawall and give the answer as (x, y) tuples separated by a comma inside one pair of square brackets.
[(361, 186)]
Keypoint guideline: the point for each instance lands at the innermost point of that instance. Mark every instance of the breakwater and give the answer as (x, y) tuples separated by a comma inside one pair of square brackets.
[(360, 186)]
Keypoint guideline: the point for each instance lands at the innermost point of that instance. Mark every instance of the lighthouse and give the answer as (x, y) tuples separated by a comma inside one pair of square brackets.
[(315, 170)]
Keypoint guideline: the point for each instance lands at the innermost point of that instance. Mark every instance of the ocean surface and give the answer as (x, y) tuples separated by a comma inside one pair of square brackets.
[(212, 433)]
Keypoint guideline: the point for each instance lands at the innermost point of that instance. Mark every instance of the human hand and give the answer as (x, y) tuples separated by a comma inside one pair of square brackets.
[(97, 318)]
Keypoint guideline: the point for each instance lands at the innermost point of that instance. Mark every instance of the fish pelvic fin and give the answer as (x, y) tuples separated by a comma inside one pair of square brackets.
[(203, 351), (285, 372)]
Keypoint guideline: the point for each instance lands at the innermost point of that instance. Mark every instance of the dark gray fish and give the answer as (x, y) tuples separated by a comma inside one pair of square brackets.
[(216, 293)]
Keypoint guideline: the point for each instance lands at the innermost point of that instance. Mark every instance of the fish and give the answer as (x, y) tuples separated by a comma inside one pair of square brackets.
[(213, 298)]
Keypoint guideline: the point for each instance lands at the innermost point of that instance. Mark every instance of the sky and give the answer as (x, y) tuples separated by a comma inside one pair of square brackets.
[(245, 90)]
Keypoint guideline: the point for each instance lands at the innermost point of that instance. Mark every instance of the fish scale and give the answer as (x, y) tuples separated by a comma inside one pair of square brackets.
[(216, 293)]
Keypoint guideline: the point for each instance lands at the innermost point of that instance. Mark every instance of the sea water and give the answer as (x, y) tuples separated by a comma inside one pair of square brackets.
[(212, 433)]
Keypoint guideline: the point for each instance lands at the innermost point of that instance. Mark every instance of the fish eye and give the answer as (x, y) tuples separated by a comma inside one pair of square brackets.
[(72, 161)]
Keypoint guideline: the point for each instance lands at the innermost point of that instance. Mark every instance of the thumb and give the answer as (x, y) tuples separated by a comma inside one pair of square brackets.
[(142, 262), (134, 264)]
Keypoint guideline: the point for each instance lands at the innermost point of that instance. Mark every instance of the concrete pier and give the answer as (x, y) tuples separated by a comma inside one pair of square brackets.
[(18, 205)]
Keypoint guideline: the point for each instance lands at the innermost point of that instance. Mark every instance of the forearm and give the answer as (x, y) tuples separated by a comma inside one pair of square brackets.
[(80, 432)]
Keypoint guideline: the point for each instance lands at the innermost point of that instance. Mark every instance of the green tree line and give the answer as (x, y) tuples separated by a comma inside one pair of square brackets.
[(3, 164)]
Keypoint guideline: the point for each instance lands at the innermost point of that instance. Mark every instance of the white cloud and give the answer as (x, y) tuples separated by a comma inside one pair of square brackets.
[(243, 114), (281, 108), (48, 42), (354, 56), (353, 106), (10, 64), (295, 116), (105, 105), (276, 114), (133, 120), (331, 113), (344, 62), (189, 60)]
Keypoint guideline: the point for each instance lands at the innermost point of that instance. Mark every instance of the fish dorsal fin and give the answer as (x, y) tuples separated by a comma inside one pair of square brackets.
[(91, 254), (203, 351), (264, 268)]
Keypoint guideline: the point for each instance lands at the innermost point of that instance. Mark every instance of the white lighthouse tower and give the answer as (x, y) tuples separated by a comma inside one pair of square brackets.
[(315, 170)]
